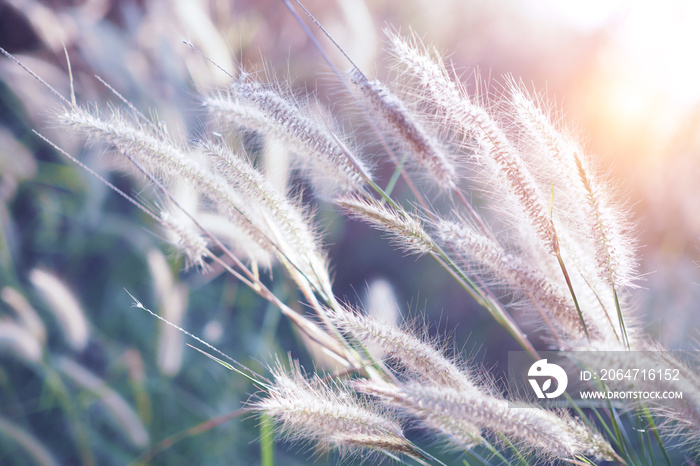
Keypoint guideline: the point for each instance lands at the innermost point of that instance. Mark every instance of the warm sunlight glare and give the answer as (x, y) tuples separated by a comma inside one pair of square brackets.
[(645, 79), (663, 42), (658, 41)]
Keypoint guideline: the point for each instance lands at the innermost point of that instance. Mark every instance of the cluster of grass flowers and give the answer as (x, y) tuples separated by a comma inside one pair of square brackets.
[(544, 235)]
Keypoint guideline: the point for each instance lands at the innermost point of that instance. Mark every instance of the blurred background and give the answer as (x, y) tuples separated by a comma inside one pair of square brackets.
[(86, 379)]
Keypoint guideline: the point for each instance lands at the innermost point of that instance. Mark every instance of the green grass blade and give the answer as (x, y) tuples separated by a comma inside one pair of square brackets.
[(267, 441)]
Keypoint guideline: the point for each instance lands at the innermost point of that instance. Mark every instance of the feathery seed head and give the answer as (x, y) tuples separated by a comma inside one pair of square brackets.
[(327, 414), (185, 238), (509, 169), (413, 354), (426, 66), (406, 230), (460, 432), (582, 196), (284, 222), (406, 130), (457, 412), (451, 103), (251, 105), (156, 153), (549, 297), (614, 249)]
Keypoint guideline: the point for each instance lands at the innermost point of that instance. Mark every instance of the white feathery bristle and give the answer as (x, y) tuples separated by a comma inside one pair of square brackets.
[(405, 130), (413, 354), (327, 414), (458, 412), (549, 296), (285, 224), (406, 230), (251, 105), (503, 162)]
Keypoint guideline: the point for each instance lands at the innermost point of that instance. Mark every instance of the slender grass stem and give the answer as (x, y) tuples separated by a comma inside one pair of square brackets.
[(395, 176), (573, 293), (495, 309), (623, 330), (267, 441), (514, 449), (655, 432), (237, 366)]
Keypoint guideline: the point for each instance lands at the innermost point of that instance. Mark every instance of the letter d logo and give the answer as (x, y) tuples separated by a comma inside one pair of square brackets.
[(542, 369)]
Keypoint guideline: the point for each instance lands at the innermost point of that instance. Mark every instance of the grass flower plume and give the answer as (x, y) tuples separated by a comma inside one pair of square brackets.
[(507, 203), (327, 414)]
